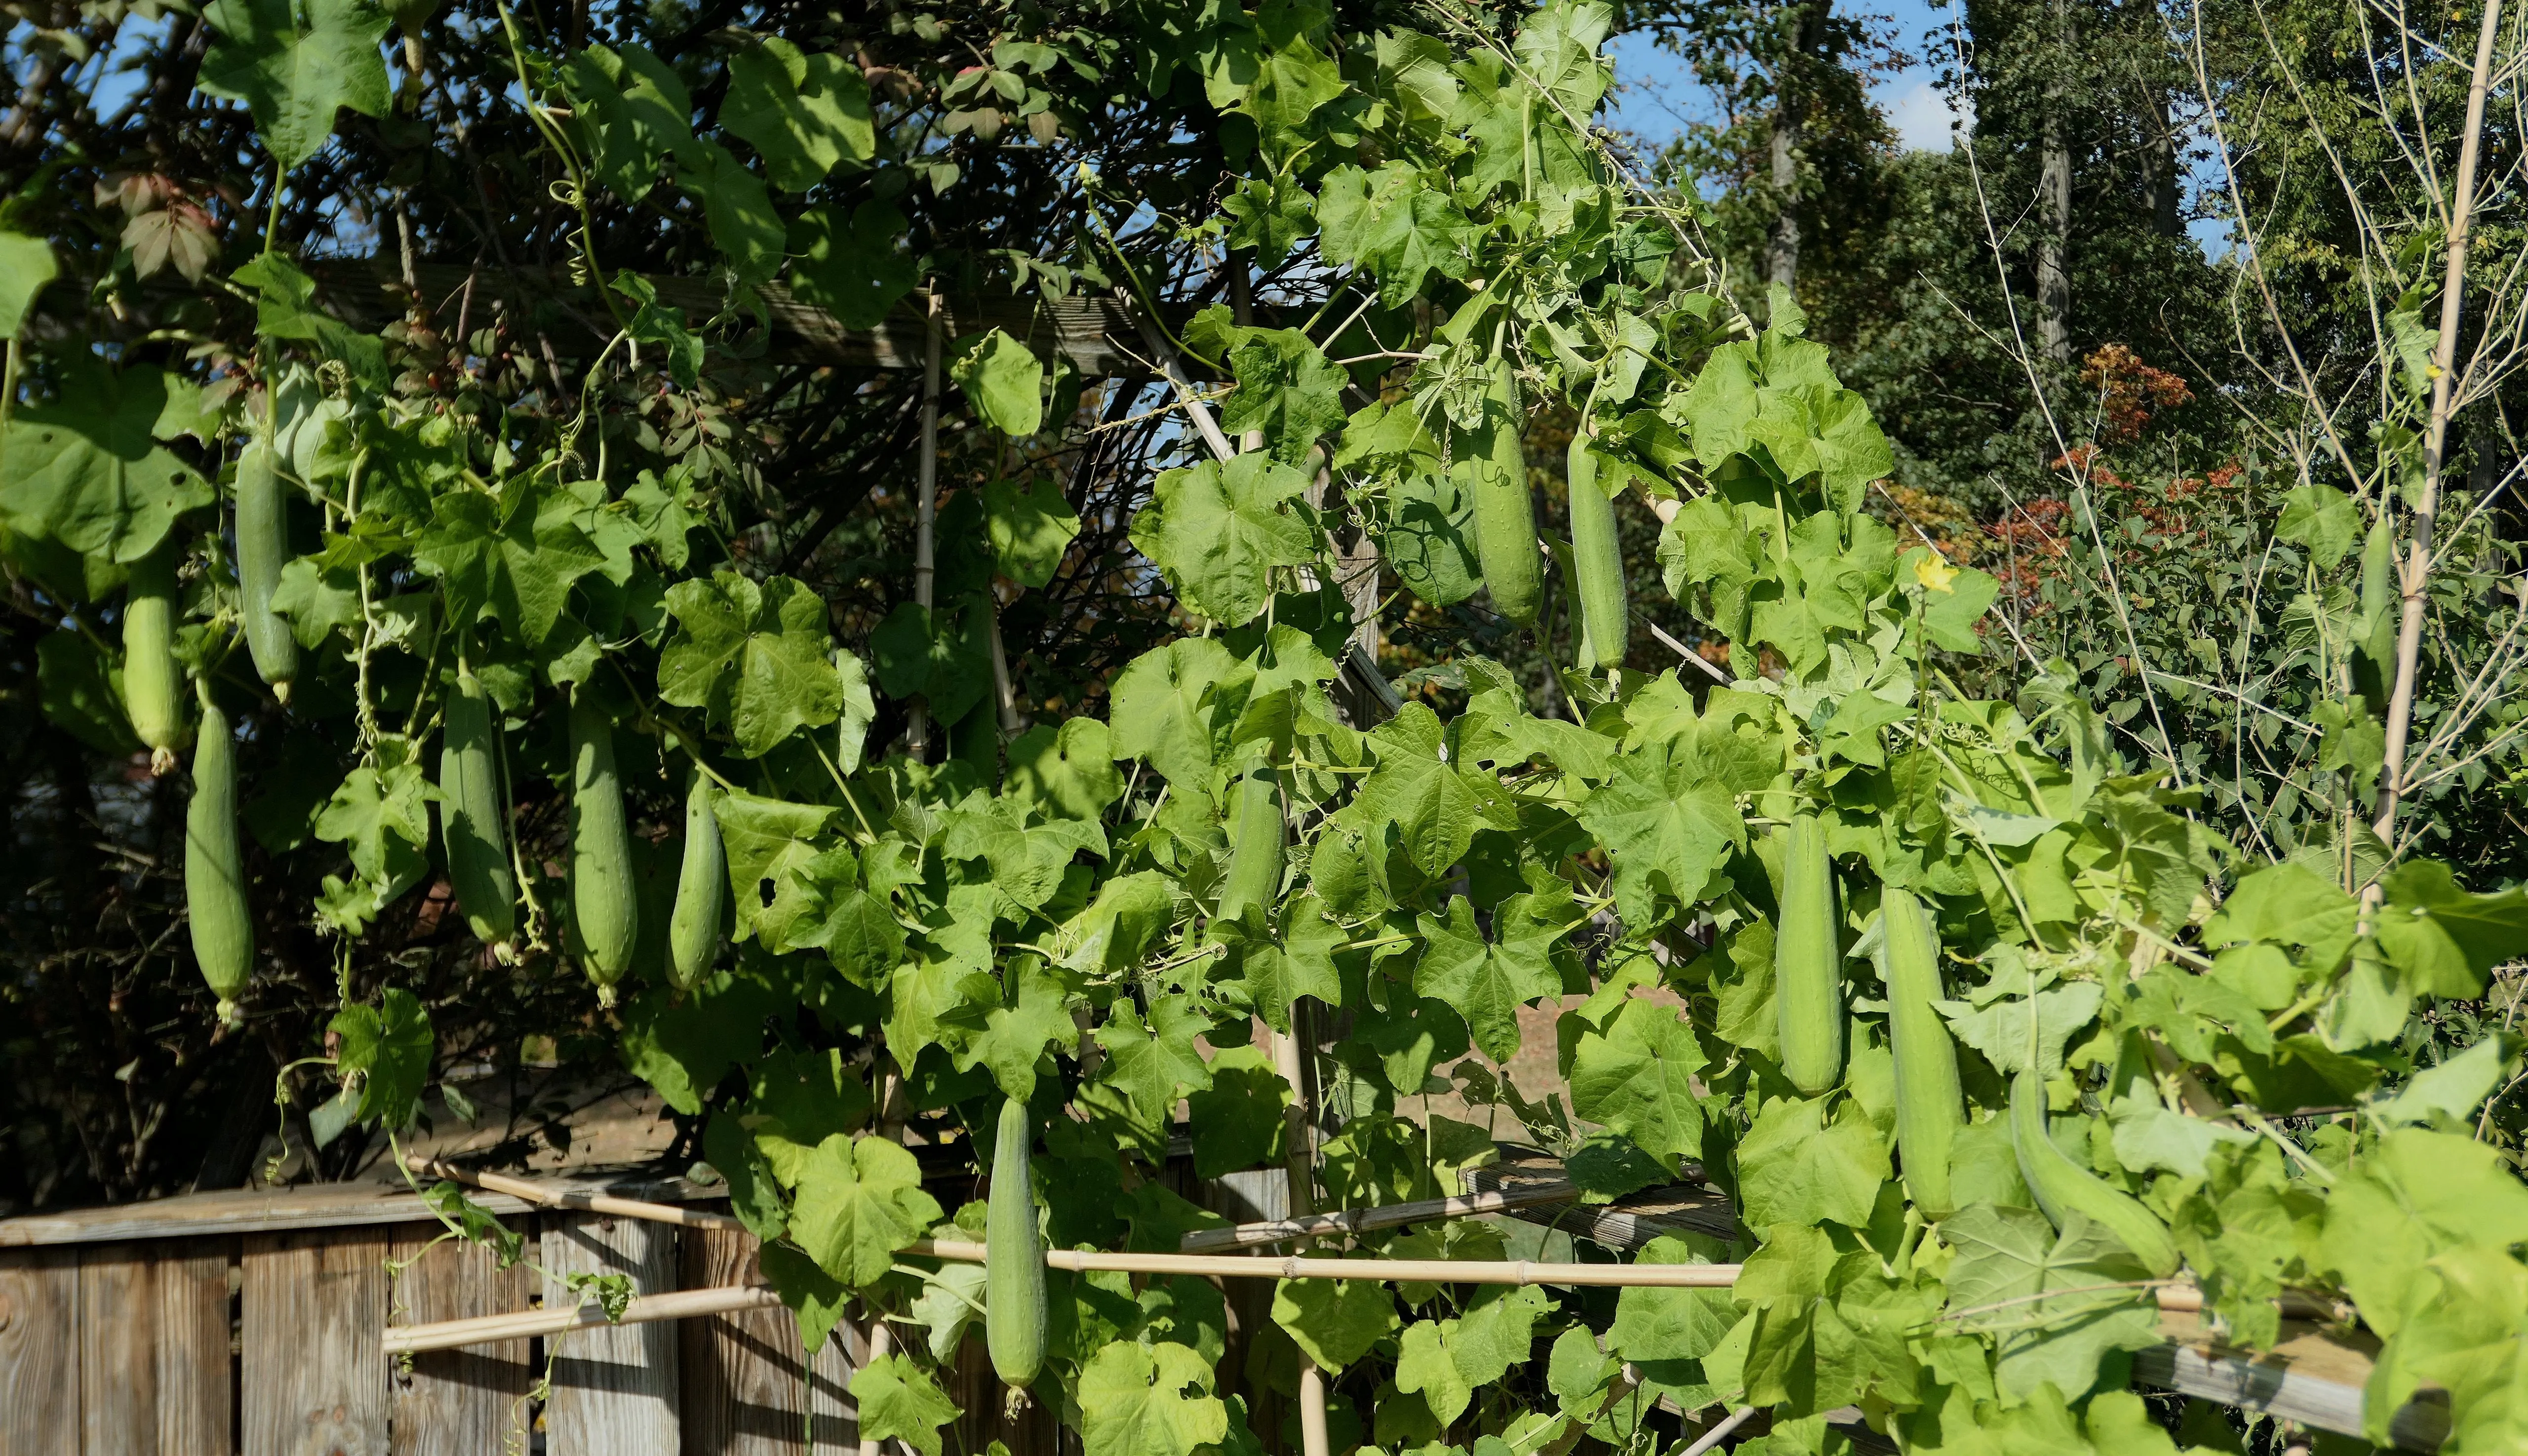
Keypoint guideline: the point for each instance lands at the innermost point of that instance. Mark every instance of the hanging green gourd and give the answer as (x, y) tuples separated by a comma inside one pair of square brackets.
[(153, 684), (1257, 841), (2064, 1188), (1929, 1108), (474, 815), (215, 899), (262, 549), (1596, 559), (1504, 511), (1015, 1310), (603, 907), (1808, 960), (701, 888)]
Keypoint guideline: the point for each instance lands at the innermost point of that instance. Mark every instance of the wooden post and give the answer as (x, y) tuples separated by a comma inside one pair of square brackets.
[(746, 1373), (118, 1358), (457, 1402), (195, 1389), (39, 1317), (311, 1372), (614, 1387)]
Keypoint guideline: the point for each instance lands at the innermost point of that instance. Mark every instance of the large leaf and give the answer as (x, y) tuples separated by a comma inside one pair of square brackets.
[(295, 64), (756, 655), (87, 470), (899, 1401), (850, 265), (2006, 1258), (1637, 1077), (1005, 384), (1032, 527), (859, 1201), (1217, 532), (27, 264), (1149, 1400), (1488, 983), (634, 108), (514, 557), (803, 112)]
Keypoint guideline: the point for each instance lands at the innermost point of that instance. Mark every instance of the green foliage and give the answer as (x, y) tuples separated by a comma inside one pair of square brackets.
[(574, 569)]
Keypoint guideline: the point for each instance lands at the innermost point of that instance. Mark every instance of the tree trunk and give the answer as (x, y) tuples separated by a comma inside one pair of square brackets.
[(2054, 216), (1782, 240), (1790, 121)]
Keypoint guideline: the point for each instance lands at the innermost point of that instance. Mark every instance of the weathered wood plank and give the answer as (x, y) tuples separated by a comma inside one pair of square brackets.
[(457, 1402), (39, 1317), (2313, 1376), (316, 1206), (1627, 1223), (196, 1385), (118, 1350), (614, 1388), (743, 1374), (313, 1379)]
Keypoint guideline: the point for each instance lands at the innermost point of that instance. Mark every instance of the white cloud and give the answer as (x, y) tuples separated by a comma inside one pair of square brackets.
[(1919, 111)]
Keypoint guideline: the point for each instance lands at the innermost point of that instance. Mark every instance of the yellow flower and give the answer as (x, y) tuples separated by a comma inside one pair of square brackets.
[(1934, 574)]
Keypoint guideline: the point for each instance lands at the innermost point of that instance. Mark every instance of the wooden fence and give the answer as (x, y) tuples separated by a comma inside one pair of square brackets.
[(249, 1323)]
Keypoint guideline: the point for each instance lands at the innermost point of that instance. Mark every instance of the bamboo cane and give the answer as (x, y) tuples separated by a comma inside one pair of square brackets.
[(1358, 1220), (926, 509), (1397, 1270), (561, 1198), (691, 1303), (685, 1304), (881, 1338)]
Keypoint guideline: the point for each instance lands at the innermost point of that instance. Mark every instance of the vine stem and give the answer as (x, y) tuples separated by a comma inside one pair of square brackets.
[(2417, 574)]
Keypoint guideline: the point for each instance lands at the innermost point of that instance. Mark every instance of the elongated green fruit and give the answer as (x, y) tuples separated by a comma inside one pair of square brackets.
[(215, 867), (603, 898), (701, 888), (1597, 561), (262, 549), (2064, 1188), (1929, 1108), (475, 819), (1014, 1312), (1256, 845), (153, 686), (1808, 960), (1504, 512)]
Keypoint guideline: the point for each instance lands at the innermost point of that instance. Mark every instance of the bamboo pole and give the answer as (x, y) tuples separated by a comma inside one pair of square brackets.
[(685, 1304), (881, 1339), (2415, 580), (1718, 1433), (692, 1303), (925, 511), (1359, 1221), (1519, 1271), (562, 1198)]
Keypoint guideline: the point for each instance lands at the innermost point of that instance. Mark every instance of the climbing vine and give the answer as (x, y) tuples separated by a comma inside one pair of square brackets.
[(1987, 1036)]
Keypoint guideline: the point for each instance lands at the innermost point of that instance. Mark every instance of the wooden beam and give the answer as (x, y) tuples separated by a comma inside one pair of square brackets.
[(368, 294), (314, 1206), (2315, 1375)]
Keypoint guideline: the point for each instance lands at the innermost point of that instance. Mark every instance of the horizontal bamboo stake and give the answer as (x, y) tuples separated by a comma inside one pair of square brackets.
[(452, 1333), (1354, 1221), (687, 1304), (1397, 1270), (594, 1203)]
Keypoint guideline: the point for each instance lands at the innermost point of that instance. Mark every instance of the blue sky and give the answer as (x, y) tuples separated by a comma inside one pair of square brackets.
[(1655, 96)]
